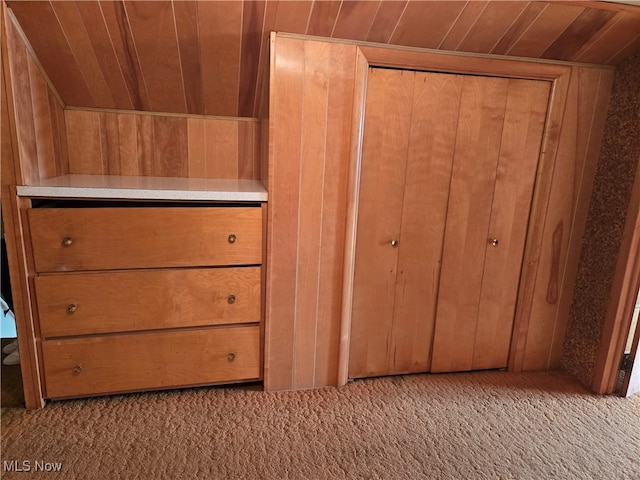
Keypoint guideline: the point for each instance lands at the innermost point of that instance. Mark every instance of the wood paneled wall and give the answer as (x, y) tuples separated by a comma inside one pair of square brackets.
[(39, 117), (134, 143), (312, 94), (311, 115)]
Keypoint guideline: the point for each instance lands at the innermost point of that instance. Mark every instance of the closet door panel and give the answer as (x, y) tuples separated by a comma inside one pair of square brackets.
[(426, 193), (521, 140), (384, 158), (478, 141)]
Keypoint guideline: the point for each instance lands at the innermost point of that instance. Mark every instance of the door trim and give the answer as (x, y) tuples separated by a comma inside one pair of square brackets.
[(558, 75)]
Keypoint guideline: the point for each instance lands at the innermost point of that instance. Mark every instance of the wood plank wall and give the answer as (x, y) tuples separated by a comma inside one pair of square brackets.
[(311, 110), (39, 117), (135, 143), (576, 163), (311, 100)]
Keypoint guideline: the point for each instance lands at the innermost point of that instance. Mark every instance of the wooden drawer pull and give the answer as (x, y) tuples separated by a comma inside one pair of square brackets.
[(76, 370), (67, 241), (231, 299), (232, 238), (231, 357), (71, 308)]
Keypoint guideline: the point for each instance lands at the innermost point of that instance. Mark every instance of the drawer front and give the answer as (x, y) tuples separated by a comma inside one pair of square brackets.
[(69, 239), (149, 361), (109, 302)]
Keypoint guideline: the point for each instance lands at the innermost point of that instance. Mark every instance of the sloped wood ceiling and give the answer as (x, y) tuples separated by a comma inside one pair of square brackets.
[(204, 57)]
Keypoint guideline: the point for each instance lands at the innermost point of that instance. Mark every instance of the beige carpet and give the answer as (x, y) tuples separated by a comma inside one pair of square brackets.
[(460, 426)]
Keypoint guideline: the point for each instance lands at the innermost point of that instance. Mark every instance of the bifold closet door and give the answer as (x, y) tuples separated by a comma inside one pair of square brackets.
[(447, 175), (498, 143), (409, 138)]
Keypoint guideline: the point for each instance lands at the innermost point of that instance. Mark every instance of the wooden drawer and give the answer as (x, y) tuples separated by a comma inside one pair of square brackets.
[(109, 302), (148, 361), (68, 239)]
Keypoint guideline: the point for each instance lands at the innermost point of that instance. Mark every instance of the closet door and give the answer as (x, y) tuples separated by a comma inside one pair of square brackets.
[(498, 141), (409, 138)]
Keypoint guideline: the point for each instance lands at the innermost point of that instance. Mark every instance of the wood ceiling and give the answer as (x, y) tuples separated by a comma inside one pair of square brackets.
[(204, 57)]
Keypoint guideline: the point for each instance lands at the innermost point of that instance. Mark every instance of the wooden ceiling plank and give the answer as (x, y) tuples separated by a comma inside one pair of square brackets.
[(82, 47), (602, 47), (323, 17), (220, 25), (626, 51), (252, 22), (460, 29), (491, 26), (102, 45), (268, 25), (426, 24), (186, 17), (355, 19), (292, 16), (585, 26), (156, 45), (385, 21), (41, 27), (544, 30), (518, 27), (115, 19)]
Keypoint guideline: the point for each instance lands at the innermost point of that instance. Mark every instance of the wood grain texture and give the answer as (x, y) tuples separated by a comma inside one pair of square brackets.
[(286, 101), (204, 57), (39, 129), (387, 127), (199, 297), (573, 177), (477, 152), (128, 238), (133, 360), (130, 143), (306, 211)]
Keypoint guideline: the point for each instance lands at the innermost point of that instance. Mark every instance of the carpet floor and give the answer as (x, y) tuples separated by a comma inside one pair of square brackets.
[(492, 425)]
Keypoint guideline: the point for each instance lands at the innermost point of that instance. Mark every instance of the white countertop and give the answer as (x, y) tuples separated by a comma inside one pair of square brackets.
[(146, 188)]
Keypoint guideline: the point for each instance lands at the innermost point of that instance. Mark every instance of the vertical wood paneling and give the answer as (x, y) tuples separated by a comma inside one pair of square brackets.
[(220, 25), (565, 219), (84, 140), (337, 150), (37, 114), (282, 231), (171, 152), (312, 153), (125, 143)]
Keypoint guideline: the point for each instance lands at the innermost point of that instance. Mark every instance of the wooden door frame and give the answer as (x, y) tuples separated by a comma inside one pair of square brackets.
[(559, 76), (622, 299)]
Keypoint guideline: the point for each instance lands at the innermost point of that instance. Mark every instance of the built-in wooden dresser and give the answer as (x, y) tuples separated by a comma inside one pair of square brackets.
[(146, 283)]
